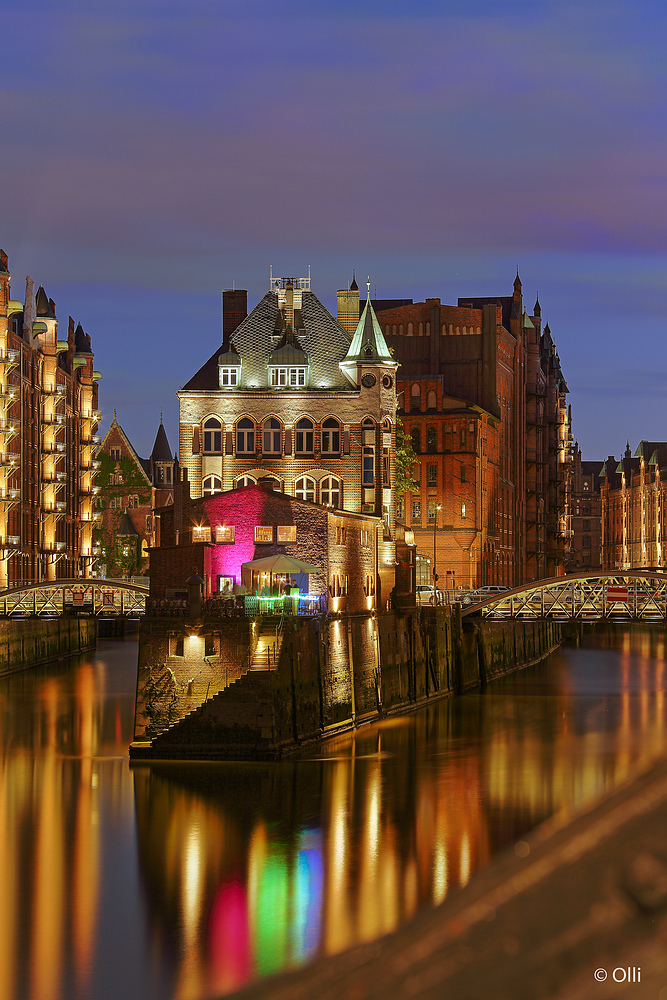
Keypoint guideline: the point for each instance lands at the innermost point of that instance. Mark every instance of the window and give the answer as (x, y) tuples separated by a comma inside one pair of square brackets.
[(212, 484), (368, 467), (330, 437), (293, 377), (341, 535), (245, 436), (415, 397), (133, 502), (586, 526), (286, 533), (416, 436), (228, 377), (431, 400), (386, 468), (369, 586), (115, 454), (304, 437), (416, 511), (304, 489), (209, 645), (330, 492), (176, 645), (201, 533), (149, 523), (271, 437), (225, 534), (364, 538), (168, 472), (586, 509), (463, 473), (338, 585), (586, 542), (400, 509), (264, 533), (463, 510), (432, 475), (432, 510), (463, 436), (114, 503), (411, 329), (212, 436), (244, 481), (432, 439)]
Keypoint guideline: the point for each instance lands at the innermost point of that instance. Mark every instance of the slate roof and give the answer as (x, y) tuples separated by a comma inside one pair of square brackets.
[(43, 306), (319, 335), (126, 527), (81, 341), (161, 451)]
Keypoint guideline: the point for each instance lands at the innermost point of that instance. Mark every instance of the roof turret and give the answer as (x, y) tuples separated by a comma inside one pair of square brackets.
[(44, 305), (161, 451), (368, 343)]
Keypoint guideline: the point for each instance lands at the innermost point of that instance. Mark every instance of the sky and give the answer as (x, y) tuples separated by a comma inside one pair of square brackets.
[(155, 152)]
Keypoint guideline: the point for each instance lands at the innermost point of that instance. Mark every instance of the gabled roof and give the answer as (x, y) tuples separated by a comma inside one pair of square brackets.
[(142, 463), (288, 352), (319, 335), (368, 343)]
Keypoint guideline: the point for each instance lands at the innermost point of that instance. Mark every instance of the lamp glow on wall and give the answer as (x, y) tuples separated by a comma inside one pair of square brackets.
[(435, 525)]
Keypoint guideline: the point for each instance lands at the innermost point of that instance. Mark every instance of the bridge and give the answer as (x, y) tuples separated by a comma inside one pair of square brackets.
[(633, 595), (100, 598)]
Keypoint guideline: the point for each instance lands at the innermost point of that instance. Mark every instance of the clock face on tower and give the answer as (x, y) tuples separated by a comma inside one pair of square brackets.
[(387, 381), (368, 380)]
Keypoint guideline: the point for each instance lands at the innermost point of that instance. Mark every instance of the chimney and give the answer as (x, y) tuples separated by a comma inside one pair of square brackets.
[(234, 311)]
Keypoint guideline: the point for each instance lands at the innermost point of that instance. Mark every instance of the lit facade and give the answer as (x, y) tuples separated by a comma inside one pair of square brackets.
[(293, 400), (583, 535), (634, 504), (48, 441)]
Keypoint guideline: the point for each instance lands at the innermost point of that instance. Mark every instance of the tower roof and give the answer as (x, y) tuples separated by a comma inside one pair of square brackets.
[(81, 341), (126, 527), (354, 287), (43, 306), (161, 451), (368, 343)]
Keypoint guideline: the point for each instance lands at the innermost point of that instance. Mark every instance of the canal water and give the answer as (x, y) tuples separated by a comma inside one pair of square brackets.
[(189, 880)]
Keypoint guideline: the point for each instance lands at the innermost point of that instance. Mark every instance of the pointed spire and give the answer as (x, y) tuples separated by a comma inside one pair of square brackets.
[(537, 310), (114, 413), (368, 343), (43, 304), (161, 451), (354, 287), (517, 280)]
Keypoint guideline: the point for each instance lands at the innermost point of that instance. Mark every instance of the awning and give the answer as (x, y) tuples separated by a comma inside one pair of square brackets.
[(280, 564)]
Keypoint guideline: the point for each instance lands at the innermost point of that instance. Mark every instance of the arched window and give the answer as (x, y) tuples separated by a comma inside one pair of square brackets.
[(431, 400), (421, 329), (271, 437), (400, 329), (212, 436), (411, 330), (272, 482), (428, 329), (331, 492), (415, 397), (416, 436), (304, 437), (431, 439), (245, 436), (330, 437), (393, 329), (244, 481), (212, 484), (304, 489)]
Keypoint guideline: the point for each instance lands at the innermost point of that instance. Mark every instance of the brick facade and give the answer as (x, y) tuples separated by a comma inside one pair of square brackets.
[(634, 504), (48, 441)]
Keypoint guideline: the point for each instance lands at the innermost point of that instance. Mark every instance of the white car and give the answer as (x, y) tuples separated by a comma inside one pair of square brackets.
[(425, 594)]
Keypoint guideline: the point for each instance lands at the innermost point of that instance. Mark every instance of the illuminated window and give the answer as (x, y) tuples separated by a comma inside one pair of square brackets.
[(244, 481), (271, 437), (286, 533), (304, 437), (364, 537), (369, 586), (304, 489), (463, 510), (133, 502), (229, 377), (330, 492), (330, 437), (432, 475), (225, 533), (400, 509), (341, 535), (293, 377), (416, 511), (212, 436), (212, 484), (368, 467), (264, 533), (245, 436), (432, 510), (201, 533)]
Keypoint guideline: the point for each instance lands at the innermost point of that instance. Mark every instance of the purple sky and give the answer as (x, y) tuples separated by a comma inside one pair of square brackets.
[(156, 152)]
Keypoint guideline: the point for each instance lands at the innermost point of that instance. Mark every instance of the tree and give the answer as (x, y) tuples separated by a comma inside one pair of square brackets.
[(405, 461), (117, 480)]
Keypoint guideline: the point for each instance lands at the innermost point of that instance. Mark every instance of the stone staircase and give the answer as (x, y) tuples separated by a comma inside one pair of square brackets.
[(267, 650)]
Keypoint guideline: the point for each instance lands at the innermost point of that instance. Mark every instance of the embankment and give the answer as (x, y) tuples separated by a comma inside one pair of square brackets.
[(31, 642)]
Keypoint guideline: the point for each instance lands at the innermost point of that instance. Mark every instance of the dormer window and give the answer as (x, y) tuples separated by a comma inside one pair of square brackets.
[(229, 369), (294, 378), (229, 377)]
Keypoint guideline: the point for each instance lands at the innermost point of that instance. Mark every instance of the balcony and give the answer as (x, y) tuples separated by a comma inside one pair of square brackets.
[(54, 477), (88, 491), (54, 418), (10, 393), (9, 357), (55, 390), (53, 448), (9, 427), (9, 459), (90, 517), (54, 506), (91, 466), (90, 439), (9, 541), (53, 546), (10, 495)]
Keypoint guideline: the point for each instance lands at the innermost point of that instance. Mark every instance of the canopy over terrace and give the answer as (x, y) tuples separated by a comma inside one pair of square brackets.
[(275, 566)]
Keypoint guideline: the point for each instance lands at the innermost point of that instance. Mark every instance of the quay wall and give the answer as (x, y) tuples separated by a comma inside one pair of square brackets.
[(31, 642), (331, 675)]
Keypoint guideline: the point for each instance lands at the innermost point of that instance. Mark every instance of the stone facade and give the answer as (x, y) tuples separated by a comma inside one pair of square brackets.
[(48, 441)]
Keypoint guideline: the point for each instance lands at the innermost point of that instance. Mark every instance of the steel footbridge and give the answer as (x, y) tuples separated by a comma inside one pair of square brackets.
[(98, 598), (632, 595)]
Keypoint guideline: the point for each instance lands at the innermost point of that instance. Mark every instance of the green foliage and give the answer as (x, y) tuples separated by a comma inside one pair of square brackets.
[(405, 461), (112, 552)]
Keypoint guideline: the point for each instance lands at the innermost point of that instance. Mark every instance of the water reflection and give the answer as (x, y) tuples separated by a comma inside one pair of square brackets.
[(188, 880)]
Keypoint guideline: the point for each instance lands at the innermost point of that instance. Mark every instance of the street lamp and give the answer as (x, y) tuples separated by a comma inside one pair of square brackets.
[(435, 525)]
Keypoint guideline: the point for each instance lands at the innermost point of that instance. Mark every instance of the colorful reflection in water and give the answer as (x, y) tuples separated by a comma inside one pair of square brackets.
[(189, 880)]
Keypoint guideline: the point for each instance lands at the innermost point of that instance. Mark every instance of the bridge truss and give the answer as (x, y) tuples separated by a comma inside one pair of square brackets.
[(636, 595), (99, 598)]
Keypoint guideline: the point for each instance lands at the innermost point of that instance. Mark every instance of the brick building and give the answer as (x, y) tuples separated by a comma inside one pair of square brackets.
[(48, 441), (292, 400), (583, 532), (483, 399), (217, 534), (130, 489), (634, 501)]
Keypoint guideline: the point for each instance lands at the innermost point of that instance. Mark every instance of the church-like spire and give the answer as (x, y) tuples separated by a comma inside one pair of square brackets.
[(368, 343)]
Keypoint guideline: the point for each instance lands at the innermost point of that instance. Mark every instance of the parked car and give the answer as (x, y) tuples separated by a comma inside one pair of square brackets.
[(425, 594), (484, 593)]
